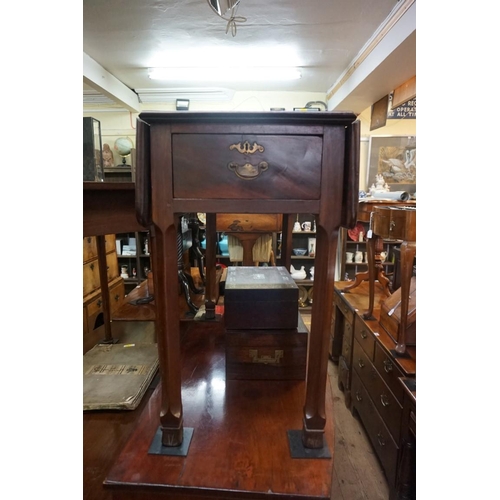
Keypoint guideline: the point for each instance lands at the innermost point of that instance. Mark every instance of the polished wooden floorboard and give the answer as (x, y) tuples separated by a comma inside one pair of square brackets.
[(356, 475)]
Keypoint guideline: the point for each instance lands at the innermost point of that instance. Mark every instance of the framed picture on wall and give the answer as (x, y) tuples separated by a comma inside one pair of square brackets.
[(395, 159)]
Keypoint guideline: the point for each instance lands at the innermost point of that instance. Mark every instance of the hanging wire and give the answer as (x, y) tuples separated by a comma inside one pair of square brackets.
[(232, 20)]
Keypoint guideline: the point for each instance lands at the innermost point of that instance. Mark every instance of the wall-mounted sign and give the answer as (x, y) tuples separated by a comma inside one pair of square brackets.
[(407, 110)]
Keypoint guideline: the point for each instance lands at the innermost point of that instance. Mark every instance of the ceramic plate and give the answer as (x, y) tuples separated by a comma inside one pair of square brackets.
[(202, 217), (354, 232)]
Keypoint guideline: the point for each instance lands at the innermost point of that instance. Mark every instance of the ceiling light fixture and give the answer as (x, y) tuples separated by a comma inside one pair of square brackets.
[(225, 74)]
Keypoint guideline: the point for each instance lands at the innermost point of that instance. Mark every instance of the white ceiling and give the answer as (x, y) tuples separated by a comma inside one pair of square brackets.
[(354, 51)]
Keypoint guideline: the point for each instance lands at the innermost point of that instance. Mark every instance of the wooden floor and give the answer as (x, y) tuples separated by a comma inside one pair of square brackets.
[(357, 473)]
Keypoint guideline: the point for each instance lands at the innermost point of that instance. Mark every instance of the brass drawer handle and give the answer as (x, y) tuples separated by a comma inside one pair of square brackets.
[(388, 366), (360, 363), (247, 172), (380, 439), (89, 239), (363, 334), (99, 303), (358, 397), (117, 297), (91, 266), (384, 400)]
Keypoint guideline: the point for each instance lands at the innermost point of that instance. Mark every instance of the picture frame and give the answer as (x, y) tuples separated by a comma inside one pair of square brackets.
[(395, 159)]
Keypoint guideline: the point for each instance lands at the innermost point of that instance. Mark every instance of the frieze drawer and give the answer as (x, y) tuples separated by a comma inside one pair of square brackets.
[(246, 166)]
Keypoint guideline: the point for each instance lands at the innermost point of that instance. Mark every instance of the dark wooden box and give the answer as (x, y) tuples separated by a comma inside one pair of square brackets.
[(267, 354), (260, 298)]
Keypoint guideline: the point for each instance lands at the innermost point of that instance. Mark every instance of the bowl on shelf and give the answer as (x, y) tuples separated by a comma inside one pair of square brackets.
[(300, 251)]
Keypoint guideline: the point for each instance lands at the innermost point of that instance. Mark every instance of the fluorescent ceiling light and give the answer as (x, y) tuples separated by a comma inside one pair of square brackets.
[(248, 74), (285, 56)]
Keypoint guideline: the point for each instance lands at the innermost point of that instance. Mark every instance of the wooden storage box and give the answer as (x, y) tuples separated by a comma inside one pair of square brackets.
[(390, 315), (260, 298), (267, 354)]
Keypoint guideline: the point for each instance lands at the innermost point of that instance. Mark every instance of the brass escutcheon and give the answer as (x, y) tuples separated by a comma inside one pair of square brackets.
[(246, 148), (266, 359), (248, 171)]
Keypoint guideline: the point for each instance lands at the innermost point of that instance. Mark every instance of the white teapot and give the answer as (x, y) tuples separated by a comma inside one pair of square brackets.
[(297, 228)]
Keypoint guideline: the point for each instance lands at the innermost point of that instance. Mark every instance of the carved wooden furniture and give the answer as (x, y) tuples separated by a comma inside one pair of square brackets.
[(103, 288), (365, 209), (346, 320), (276, 163), (376, 392), (108, 209), (399, 223)]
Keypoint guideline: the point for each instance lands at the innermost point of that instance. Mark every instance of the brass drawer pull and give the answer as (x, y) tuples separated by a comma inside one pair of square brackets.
[(384, 400), (117, 297), (89, 239), (380, 439), (99, 303), (388, 365), (360, 363), (358, 397), (363, 334), (91, 266), (247, 172)]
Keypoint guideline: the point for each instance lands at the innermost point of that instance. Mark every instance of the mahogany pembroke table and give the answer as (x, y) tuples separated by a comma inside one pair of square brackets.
[(245, 162)]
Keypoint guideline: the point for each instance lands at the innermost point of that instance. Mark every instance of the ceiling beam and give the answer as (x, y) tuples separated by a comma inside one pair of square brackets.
[(385, 62), (95, 76)]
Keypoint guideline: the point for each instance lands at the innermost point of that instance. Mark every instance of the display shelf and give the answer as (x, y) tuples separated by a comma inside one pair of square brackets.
[(303, 239), (349, 268), (140, 261)]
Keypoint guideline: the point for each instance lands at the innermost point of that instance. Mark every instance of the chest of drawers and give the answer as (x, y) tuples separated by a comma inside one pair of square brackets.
[(370, 374), (92, 298), (346, 308), (376, 391)]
